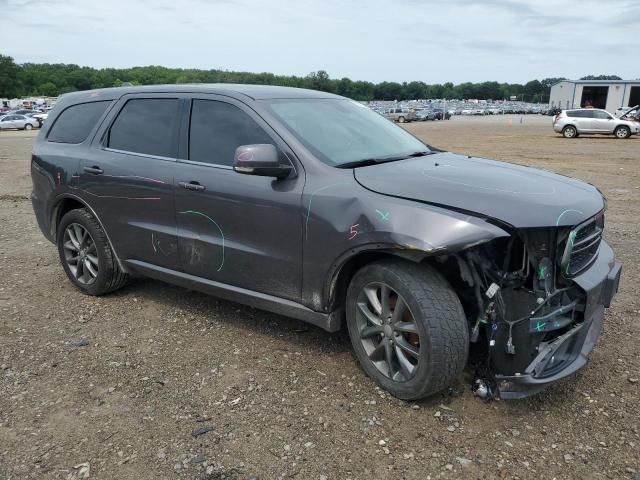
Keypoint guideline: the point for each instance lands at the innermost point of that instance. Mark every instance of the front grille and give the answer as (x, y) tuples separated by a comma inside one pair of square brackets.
[(581, 246)]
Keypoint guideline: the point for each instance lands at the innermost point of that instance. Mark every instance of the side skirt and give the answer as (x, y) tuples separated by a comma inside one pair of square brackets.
[(330, 322)]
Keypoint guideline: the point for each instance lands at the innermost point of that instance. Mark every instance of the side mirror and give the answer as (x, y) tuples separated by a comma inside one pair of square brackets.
[(260, 159)]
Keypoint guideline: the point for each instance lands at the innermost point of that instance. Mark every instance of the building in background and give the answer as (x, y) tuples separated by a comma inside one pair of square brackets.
[(607, 94)]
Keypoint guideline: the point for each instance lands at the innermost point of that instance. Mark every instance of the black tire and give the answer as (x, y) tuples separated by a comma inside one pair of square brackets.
[(622, 132), (443, 342), (569, 131), (28, 126), (400, 119), (109, 276)]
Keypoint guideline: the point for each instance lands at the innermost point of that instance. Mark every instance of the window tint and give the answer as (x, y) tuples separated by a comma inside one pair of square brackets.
[(75, 123), (579, 114), (218, 128), (601, 115), (146, 125)]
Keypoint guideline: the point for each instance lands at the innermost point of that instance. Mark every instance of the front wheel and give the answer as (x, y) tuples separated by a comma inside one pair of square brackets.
[(86, 256), (28, 126), (401, 119), (622, 132), (407, 328)]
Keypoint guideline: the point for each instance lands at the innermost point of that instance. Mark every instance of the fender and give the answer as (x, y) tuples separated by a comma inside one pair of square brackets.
[(54, 212), (407, 247)]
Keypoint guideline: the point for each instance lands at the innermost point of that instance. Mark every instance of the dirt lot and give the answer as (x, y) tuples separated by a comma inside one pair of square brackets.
[(158, 382)]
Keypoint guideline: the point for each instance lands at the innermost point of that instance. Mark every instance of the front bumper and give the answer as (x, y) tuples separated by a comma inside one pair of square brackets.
[(568, 353)]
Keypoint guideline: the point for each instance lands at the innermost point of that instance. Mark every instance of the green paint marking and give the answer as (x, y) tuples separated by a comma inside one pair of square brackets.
[(383, 215), (572, 237), (542, 271), (306, 223), (565, 212), (214, 222), (539, 326)]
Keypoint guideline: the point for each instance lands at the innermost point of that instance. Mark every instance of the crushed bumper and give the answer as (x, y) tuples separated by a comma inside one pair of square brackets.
[(568, 353)]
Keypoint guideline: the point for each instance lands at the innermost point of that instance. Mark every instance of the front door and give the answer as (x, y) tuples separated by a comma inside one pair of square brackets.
[(236, 229), (128, 178), (602, 122), (8, 121)]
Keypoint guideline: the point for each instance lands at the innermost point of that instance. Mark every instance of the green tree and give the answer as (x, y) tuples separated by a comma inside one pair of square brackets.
[(9, 84), (48, 89), (601, 77)]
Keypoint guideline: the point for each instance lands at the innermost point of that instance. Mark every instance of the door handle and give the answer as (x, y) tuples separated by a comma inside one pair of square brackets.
[(193, 185), (95, 170)]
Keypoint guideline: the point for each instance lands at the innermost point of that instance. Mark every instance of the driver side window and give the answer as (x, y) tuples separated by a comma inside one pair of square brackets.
[(218, 128)]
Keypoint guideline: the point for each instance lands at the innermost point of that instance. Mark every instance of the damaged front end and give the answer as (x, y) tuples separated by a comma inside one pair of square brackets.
[(535, 304)]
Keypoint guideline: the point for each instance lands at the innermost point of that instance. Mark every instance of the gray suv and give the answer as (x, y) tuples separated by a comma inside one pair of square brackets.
[(313, 206), (584, 121)]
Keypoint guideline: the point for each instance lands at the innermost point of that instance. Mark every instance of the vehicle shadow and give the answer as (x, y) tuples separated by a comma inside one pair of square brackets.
[(300, 334)]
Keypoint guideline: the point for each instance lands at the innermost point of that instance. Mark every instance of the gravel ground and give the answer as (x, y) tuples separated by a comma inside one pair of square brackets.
[(159, 382)]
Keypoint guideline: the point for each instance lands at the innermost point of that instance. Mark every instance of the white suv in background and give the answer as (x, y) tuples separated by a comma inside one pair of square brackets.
[(581, 121)]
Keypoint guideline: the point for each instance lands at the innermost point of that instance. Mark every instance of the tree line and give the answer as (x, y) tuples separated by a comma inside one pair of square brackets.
[(45, 79)]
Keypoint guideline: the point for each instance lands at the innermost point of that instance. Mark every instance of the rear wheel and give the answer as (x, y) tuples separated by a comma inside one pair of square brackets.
[(569, 131), (622, 132), (86, 256), (407, 328), (401, 119)]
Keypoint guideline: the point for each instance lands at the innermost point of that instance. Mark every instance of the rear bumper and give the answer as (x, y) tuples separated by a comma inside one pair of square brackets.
[(568, 353)]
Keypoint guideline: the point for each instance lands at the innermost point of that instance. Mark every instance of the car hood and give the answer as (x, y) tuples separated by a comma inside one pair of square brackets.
[(520, 196)]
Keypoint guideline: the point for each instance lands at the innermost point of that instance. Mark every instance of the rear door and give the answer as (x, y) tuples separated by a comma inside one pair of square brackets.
[(582, 120), (240, 230), (127, 177)]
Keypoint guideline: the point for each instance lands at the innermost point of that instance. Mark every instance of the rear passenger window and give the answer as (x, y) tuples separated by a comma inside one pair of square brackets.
[(218, 128), (75, 123), (148, 126)]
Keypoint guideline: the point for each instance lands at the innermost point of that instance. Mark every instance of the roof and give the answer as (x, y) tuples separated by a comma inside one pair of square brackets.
[(596, 82), (255, 92)]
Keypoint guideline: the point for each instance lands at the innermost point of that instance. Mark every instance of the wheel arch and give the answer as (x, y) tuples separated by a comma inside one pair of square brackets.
[(345, 267), (67, 202)]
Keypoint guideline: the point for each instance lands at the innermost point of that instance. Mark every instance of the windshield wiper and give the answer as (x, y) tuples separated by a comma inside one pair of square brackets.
[(375, 161)]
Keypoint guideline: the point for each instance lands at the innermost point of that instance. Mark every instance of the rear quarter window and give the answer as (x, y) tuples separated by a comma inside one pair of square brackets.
[(75, 123)]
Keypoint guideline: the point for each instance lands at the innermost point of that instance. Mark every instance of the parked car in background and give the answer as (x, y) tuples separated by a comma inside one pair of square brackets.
[(400, 115), (590, 121), (40, 117), (623, 111), (632, 114), (19, 122), (441, 114), (26, 111), (423, 115)]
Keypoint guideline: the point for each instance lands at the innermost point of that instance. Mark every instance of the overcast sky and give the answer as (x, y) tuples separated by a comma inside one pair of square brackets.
[(396, 40)]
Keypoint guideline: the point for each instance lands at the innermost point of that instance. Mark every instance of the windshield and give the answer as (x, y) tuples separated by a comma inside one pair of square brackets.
[(341, 131)]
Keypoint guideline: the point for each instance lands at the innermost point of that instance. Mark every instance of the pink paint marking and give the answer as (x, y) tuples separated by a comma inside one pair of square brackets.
[(112, 196), (135, 176), (354, 231)]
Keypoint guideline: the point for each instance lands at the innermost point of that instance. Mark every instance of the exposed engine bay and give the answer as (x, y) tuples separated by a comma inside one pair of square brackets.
[(523, 308)]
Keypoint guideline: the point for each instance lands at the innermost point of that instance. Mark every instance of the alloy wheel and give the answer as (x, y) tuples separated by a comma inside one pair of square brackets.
[(388, 331), (622, 133), (80, 253)]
